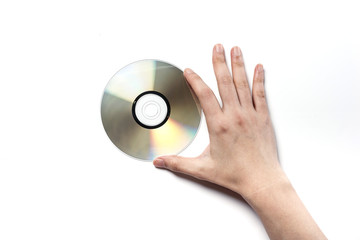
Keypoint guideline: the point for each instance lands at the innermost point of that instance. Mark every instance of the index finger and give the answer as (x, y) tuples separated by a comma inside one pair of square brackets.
[(205, 95)]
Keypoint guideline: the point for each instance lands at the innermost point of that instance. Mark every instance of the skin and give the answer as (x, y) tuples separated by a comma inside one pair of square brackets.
[(242, 154)]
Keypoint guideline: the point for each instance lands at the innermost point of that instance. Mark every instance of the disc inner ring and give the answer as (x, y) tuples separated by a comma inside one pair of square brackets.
[(151, 109)]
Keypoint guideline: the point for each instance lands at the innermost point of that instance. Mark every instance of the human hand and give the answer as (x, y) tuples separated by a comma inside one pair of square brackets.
[(242, 154)]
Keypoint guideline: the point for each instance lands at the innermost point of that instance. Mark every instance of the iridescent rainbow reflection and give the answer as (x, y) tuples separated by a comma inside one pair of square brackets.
[(168, 138)]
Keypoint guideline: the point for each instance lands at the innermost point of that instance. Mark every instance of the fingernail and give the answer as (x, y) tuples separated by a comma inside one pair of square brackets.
[(260, 68), (219, 48), (159, 163), (236, 51), (188, 70)]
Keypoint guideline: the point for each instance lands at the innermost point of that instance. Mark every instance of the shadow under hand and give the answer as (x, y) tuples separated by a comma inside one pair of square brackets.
[(237, 198), (217, 188)]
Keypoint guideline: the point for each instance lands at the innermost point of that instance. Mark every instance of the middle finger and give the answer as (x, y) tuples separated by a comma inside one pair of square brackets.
[(224, 79)]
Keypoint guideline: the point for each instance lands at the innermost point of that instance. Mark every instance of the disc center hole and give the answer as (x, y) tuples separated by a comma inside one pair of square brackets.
[(151, 109)]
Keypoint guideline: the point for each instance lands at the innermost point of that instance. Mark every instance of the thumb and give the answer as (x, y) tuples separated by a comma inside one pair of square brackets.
[(189, 166)]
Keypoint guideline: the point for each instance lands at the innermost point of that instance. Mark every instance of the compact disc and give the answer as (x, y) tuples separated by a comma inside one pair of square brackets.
[(148, 110)]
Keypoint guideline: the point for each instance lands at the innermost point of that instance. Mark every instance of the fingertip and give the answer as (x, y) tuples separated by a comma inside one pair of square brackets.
[(159, 163), (188, 71), (236, 51), (219, 48), (259, 68)]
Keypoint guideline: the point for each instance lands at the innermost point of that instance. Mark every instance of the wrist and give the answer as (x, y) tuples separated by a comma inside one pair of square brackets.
[(281, 210), (261, 185)]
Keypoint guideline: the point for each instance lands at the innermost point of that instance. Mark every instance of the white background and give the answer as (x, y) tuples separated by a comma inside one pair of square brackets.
[(62, 178)]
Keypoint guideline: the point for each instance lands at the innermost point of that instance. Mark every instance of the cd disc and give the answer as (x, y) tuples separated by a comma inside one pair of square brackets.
[(148, 110)]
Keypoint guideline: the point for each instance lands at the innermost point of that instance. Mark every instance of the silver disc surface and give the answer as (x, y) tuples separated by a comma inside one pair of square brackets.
[(148, 110)]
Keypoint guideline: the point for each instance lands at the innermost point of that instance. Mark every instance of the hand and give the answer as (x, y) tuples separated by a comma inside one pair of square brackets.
[(242, 154)]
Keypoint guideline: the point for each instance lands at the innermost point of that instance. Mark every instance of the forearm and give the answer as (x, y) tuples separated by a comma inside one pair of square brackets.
[(283, 213)]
